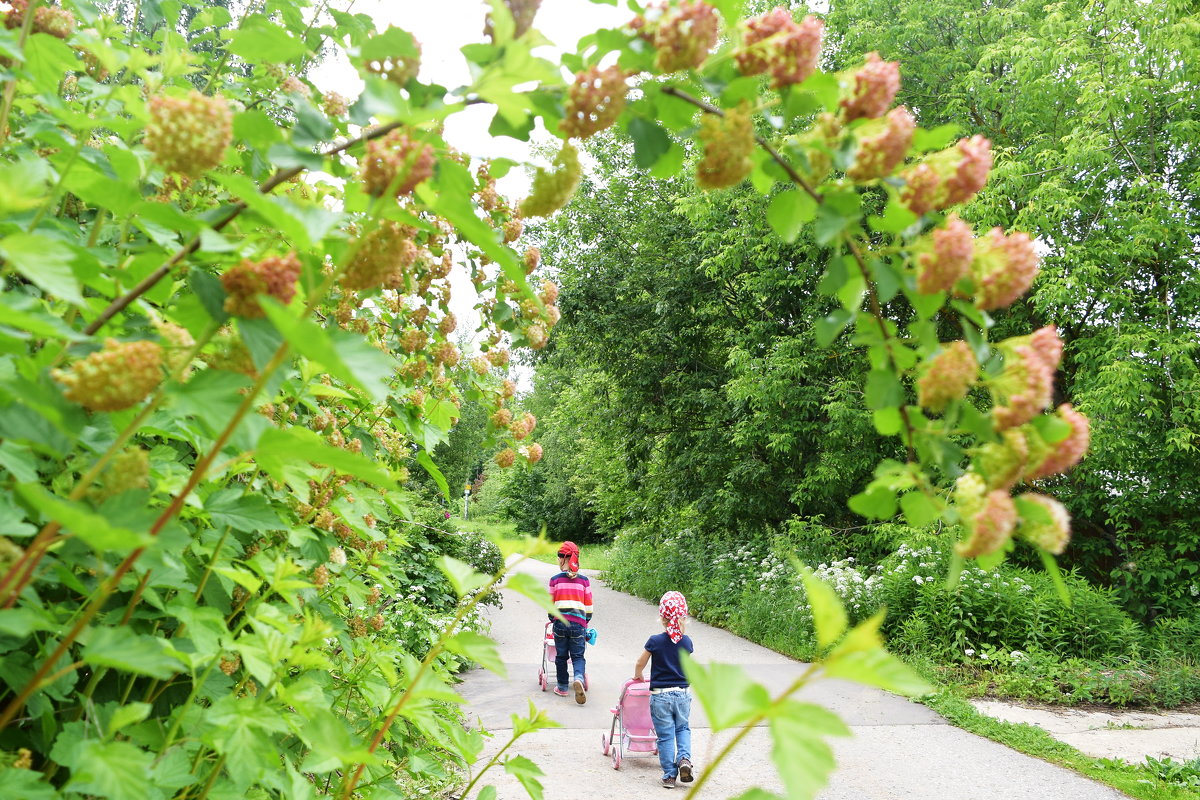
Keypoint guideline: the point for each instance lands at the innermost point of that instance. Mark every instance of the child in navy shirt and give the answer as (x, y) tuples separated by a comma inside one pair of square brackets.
[(670, 697)]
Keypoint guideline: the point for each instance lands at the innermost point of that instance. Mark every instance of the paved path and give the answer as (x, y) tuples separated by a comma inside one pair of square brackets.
[(899, 750)]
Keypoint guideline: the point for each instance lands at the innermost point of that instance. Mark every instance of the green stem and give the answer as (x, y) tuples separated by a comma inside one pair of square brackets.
[(10, 88)]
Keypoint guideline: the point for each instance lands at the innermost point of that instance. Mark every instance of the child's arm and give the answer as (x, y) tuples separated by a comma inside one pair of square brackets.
[(640, 666)]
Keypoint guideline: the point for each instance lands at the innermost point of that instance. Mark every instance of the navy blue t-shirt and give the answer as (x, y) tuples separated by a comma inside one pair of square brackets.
[(665, 669)]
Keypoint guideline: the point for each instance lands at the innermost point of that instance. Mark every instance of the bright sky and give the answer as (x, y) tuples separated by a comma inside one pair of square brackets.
[(442, 27)]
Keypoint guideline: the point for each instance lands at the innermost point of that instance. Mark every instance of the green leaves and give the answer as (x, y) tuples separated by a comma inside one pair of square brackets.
[(799, 750), (45, 262), (120, 648), (789, 212), (728, 694), (650, 141), (829, 618), (277, 450), (259, 40)]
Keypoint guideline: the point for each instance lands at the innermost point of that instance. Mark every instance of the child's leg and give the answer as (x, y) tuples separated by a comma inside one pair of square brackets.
[(578, 646), (561, 654), (683, 729), (662, 712)]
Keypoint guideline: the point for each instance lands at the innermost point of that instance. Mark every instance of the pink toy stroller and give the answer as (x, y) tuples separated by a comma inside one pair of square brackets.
[(632, 729), (548, 654)]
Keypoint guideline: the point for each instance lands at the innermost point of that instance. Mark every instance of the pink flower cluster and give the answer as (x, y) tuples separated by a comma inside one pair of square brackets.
[(395, 163), (989, 516), (946, 256), (594, 101), (522, 426), (1004, 268), (1051, 534), (275, 276), (775, 42), (882, 145), (1069, 451), (1026, 386), (947, 376), (875, 86), (684, 35), (949, 177), (728, 147)]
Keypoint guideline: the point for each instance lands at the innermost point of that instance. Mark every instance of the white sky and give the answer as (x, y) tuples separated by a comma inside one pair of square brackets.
[(442, 27)]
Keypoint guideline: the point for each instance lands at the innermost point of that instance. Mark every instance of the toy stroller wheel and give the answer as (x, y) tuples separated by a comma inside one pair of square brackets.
[(604, 743), (542, 680), (616, 756), (585, 682)]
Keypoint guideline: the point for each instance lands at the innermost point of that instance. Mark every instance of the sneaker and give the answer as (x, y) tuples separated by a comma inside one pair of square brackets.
[(580, 694), (685, 770), (561, 692), (668, 783)]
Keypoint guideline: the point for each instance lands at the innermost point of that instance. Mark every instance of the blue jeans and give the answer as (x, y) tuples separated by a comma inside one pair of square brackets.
[(670, 711), (569, 642)]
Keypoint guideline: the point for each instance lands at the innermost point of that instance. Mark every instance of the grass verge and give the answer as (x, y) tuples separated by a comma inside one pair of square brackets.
[(1134, 780)]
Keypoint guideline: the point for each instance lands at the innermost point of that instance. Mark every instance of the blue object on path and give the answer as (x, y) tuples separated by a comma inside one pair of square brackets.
[(591, 635)]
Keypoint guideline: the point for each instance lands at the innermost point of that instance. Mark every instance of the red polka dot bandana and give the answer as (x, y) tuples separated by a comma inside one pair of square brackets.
[(673, 609)]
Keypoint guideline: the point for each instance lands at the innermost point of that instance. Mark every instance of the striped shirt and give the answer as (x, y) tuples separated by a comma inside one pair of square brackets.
[(572, 597)]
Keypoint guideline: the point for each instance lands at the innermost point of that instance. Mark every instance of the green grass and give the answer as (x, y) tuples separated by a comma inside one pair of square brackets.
[(1135, 780), (591, 556)]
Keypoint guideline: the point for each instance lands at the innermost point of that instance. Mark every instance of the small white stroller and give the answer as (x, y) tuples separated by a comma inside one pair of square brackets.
[(548, 654), (632, 728)]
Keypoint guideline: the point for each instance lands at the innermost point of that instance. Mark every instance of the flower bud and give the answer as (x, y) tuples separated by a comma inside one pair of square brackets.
[(115, 378), (684, 35), (395, 164), (594, 101), (553, 188), (1050, 530), (775, 42), (947, 376), (728, 144), (874, 87), (944, 257), (275, 276), (1061, 456), (1004, 268), (948, 177), (988, 516), (882, 145), (1025, 387)]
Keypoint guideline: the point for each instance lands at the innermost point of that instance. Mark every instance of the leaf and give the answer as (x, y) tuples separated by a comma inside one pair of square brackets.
[(345, 355), (801, 755), (121, 648), (883, 389), (861, 658), (650, 141), (887, 420), (531, 587), (26, 784), (527, 773), (877, 502), (919, 509), (478, 648), (44, 262), (258, 40), (242, 511), (1051, 566), (829, 223), (427, 463), (830, 327), (789, 212), (89, 526), (462, 576), (111, 769), (23, 184), (727, 693), (829, 617), (126, 715), (1052, 428), (278, 448)]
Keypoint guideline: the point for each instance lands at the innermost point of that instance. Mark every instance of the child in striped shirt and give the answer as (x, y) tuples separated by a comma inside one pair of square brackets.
[(571, 594)]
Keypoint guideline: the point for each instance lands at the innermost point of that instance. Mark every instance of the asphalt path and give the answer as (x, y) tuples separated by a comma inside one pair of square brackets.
[(899, 749)]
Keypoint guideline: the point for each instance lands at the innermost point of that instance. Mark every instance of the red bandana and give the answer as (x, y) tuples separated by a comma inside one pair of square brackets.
[(673, 608), (571, 550)]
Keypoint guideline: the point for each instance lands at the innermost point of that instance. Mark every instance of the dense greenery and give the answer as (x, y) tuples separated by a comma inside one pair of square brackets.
[(686, 375)]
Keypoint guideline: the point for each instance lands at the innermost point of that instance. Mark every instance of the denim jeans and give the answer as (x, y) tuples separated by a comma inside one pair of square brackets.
[(670, 711), (569, 642)]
